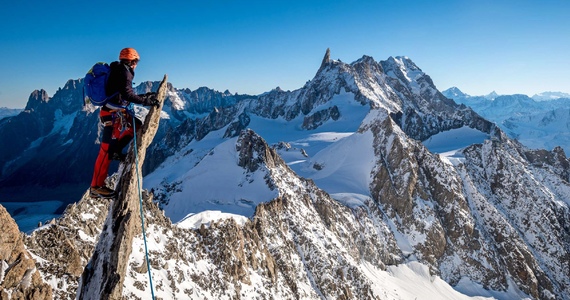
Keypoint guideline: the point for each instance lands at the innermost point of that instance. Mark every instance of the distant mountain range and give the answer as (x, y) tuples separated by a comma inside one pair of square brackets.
[(8, 112), (540, 122), (547, 96)]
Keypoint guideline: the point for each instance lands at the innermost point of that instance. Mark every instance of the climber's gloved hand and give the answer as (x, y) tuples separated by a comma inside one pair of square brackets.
[(152, 102), (150, 99)]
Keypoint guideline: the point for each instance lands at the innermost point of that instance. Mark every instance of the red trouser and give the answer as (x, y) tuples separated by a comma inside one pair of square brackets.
[(117, 133)]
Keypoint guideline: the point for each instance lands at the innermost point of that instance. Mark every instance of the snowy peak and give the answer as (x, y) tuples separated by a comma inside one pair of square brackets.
[(413, 78), (397, 85), (204, 100), (402, 68), (403, 63), (491, 96), (454, 93), (367, 68), (547, 96)]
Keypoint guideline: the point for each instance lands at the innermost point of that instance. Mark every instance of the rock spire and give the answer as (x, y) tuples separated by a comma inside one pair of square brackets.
[(103, 276)]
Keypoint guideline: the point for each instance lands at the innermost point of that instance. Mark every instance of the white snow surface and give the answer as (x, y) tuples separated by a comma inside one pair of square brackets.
[(204, 187), (345, 165), (448, 144), (195, 221), (542, 130)]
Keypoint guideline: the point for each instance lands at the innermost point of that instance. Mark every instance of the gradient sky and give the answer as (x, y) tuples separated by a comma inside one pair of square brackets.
[(251, 47)]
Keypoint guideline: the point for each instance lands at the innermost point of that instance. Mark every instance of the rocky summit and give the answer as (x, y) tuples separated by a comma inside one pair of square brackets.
[(324, 192)]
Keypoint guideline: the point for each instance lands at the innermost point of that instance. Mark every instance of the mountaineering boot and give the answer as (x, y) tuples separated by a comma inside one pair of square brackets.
[(101, 192), (117, 146)]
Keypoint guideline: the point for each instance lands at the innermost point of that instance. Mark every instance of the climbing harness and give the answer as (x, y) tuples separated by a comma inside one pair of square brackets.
[(141, 205), (121, 114)]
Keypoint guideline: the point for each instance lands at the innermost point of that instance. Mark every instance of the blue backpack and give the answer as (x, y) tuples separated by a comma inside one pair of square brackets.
[(95, 83)]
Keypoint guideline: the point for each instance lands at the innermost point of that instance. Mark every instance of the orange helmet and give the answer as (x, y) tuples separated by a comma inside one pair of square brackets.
[(129, 54)]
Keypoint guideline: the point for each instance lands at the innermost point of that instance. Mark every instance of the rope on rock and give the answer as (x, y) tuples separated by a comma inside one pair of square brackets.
[(141, 205)]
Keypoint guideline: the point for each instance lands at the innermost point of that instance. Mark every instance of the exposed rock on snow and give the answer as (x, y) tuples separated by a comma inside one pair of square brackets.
[(63, 248), (19, 278)]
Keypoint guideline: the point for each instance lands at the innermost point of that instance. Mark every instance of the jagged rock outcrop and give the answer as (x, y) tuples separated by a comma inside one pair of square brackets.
[(425, 111), (104, 275), (204, 100), (19, 278), (520, 205), (478, 227), (320, 117), (37, 122), (65, 245), (554, 160), (237, 126), (326, 59), (413, 185)]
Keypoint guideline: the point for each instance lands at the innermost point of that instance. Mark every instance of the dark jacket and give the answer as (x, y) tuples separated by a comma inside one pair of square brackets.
[(121, 81)]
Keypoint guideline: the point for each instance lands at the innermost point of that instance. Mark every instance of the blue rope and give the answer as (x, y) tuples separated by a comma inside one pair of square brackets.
[(141, 205)]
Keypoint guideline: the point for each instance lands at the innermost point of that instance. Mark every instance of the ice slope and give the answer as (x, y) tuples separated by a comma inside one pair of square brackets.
[(198, 185), (207, 184)]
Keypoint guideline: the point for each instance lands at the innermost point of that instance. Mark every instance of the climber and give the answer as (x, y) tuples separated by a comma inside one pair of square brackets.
[(117, 119)]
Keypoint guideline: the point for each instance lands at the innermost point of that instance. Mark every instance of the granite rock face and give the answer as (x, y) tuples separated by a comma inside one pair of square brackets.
[(19, 277)]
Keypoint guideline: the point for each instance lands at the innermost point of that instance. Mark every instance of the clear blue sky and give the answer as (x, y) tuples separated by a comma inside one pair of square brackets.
[(254, 46)]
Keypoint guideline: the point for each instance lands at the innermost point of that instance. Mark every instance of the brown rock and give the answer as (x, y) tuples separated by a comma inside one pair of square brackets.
[(19, 278)]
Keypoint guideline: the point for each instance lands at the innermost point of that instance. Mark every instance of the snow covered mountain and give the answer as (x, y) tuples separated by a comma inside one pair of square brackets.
[(539, 122), (328, 192)]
